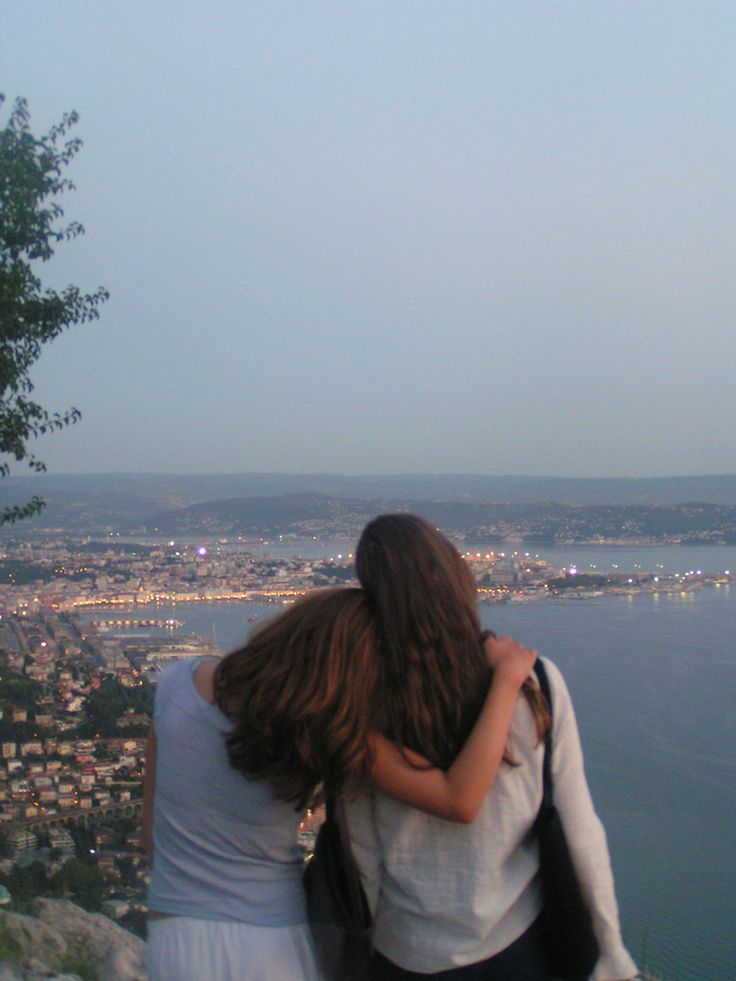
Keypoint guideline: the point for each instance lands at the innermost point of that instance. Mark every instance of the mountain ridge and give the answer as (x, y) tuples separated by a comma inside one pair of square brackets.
[(127, 503)]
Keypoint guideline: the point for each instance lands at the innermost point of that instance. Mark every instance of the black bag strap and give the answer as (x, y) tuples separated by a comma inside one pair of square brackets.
[(345, 882), (547, 791), (335, 814), (329, 807)]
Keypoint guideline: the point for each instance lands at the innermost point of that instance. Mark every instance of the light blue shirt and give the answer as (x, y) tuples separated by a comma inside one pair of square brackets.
[(224, 847)]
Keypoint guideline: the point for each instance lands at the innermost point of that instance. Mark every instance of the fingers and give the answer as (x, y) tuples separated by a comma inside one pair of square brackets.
[(506, 655)]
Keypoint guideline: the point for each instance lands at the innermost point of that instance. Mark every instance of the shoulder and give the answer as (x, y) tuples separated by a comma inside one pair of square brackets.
[(174, 673), (561, 700), (556, 681), (172, 678), (203, 678)]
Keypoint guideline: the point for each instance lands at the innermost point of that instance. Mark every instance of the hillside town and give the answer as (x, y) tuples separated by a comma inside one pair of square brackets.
[(76, 678), (68, 575)]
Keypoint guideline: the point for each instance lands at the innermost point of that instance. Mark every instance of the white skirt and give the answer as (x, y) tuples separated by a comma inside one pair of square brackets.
[(181, 948)]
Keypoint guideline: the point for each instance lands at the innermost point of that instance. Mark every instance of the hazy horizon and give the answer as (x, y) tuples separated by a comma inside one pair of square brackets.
[(376, 474)]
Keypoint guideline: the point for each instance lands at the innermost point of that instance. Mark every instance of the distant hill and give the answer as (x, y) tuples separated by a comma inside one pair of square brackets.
[(304, 515), (263, 502)]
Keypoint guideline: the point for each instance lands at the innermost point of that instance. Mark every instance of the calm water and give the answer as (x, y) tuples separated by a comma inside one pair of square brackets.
[(588, 558), (654, 684)]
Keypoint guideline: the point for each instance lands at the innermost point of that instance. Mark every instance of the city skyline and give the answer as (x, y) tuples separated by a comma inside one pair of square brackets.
[(380, 239)]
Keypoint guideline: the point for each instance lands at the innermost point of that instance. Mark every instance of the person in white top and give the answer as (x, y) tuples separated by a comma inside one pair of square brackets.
[(462, 901)]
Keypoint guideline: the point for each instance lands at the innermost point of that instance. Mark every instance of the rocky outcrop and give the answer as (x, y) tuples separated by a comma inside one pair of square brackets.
[(63, 942)]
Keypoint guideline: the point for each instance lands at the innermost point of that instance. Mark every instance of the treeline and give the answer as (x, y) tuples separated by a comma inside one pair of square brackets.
[(17, 691), (106, 705), (18, 573), (103, 707)]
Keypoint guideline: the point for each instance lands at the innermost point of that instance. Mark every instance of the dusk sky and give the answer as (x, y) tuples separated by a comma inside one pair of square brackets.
[(472, 237)]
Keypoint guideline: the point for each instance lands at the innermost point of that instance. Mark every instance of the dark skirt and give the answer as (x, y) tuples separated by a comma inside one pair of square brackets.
[(523, 960)]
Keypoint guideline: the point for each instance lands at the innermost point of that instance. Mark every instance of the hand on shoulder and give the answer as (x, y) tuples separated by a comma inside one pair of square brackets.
[(508, 658)]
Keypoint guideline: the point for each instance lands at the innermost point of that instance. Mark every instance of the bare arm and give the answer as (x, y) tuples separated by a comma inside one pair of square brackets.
[(149, 786), (458, 793)]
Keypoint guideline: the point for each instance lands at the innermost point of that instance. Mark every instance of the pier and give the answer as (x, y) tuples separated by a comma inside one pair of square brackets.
[(133, 624)]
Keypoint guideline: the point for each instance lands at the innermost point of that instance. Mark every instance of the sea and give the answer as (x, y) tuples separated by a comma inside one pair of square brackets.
[(653, 680)]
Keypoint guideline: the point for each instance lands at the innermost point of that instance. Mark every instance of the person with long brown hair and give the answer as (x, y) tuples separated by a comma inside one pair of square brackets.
[(291, 710), (226, 884), (450, 902)]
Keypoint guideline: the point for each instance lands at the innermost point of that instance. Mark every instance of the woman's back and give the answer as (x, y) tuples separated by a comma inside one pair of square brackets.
[(234, 756), (447, 895), (225, 848)]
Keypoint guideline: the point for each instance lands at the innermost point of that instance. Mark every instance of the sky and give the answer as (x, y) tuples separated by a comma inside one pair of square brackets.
[(371, 237)]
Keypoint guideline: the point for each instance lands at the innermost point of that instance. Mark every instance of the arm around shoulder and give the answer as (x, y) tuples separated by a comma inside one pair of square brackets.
[(457, 794)]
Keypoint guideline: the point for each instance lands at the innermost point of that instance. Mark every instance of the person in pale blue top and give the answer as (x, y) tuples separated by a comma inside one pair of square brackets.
[(236, 752), (237, 860)]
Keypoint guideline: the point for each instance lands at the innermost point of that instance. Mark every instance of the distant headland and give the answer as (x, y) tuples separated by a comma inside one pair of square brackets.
[(479, 508)]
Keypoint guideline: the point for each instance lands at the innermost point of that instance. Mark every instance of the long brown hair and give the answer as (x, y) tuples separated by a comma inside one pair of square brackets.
[(433, 672), (300, 693)]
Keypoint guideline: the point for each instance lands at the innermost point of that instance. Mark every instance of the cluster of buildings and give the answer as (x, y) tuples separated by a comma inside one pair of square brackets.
[(52, 661), (57, 776), (65, 576), (60, 653), (44, 777), (48, 670)]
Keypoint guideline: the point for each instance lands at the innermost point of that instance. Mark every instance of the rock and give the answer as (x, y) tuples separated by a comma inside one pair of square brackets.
[(62, 934), (122, 964), (29, 936), (32, 969), (36, 970), (115, 954)]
